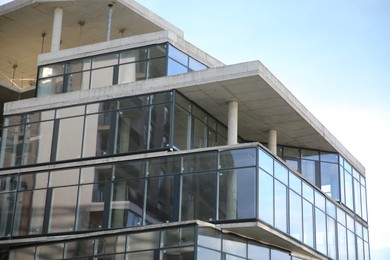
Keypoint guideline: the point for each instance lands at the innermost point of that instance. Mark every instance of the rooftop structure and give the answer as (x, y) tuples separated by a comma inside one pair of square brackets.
[(120, 139)]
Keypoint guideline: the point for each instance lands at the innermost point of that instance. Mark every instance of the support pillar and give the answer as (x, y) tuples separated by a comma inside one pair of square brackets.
[(272, 141), (57, 27), (232, 122)]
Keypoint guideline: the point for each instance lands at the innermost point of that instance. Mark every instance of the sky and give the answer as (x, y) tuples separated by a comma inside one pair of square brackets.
[(333, 55)]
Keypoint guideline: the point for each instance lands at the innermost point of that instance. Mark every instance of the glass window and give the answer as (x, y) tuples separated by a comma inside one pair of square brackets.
[(127, 204), (184, 253), (78, 248), (308, 192), (204, 253), (308, 225), (70, 111), (178, 55), (53, 251), (132, 72), (177, 237), (78, 65), (63, 209), (281, 172), (160, 126), (330, 209), (258, 252), (329, 157), (331, 235), (200, 134), (279, 255), (27, 253), (90, 213), (319, 200), (70, 148), (209, 238), (320, 231), (97, 135), (134, 102), (280, 206), (266, 197), (358, 205), (33, 181), (238, 158), (110, 245), (51, 70), (198, 162), (12, 146), (133, 55), (295, 183), (342, 242), (296, 216), (38, 139), (234, 245), (309, 169), (364, 203), (266, 162), (175, 68), (310, 154), (102, 77), (348, 190), (199, 193), (157, 68), (237, 194), (157, 51), (129, 169), (341, 216), (50, 86), (196, 65), (351, 245), (105, 60), (64, 177), (160, 200), (330, 179), (77, 81), (143, 241)]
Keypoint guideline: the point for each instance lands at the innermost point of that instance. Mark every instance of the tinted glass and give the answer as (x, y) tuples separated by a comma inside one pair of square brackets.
[(266, 197)]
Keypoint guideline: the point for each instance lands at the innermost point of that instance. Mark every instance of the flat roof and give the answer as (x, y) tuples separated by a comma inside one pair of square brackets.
[(24, 22)]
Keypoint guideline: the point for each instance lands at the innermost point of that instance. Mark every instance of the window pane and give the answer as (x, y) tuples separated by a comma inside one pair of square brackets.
[(331, 234), (129, 169), (26, 253), (134, 102), (51, 70), (33, 181), (50, 86), (358, 205), (234, 245), (199, 162), (63, 209), (279, 255), (330, 179), (105, 60), (132, 72), (78, 65), (28, 216), (266, 162), (295, 183), (296, 216), (64, 177), (157, 68), (160, 125), (77, 81), (7, 207), (175, 68), (280, 206), (199, 196), (90, 211), (143, 241), (182, 253), (157, 51), (266, 198), (70, 111), (204, 253), (348, 191), (102, 77), (160, 199), (133, 55), (342, 242), (238, 158), (97, 135), (320, 231), (177, 237), (351, 245), (210, 238), (329, 157), (196, 65), (310, 154), (77, 248), (70, 148), (127, 204), (38, 139), (308, 192), (308, 226), (182, 128), (281, 172), (178, 55), (319, 200), (110, 245), (12, 146), (257, 252), (309, 169), (52, 251)]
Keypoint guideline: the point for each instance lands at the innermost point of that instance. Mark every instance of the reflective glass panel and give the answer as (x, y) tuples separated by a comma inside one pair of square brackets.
[(295, 183), (133, 55), (342, 242), (234, 245), (258, 252), (160, 126), (38, 139), (105, 60), (204, 253), (143, 241), (177, 55), (199, 193), (281, 172), (129, 169), (70, 148), (309, 169), (183, 253), (200, 134), (97, 135), (237, 158), (77, 81), (182, 129), (78, 65), (177, 237), (308, 225), (102, 77), (77, 248), (320, 231), (12, 146), (50, 86), (110, 245), (157, 51), (351, 245), (52, 251), (209, 238), (266, 197), (196, 65), (310, 154), (64, 177), (63, 209), (26, 253), (280, 206), (90, 211), (331, 236), (199, 162), (330, 179), (51, 70), (266, 162), (175, 68), (157, 68), (279, 255), (132, 72), (296, 216)]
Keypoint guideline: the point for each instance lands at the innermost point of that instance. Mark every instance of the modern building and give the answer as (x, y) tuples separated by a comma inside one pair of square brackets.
[(121, 140)]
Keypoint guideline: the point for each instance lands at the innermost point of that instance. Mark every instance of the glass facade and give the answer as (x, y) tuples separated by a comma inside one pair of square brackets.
[(184, 242), (114, 68), (214, 185)]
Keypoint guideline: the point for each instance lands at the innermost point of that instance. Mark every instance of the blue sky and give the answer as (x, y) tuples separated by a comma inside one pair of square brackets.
[(333, 55)]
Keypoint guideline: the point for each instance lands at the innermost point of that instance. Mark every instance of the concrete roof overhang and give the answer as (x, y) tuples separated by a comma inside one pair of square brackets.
[(263, 104), (23, 23)]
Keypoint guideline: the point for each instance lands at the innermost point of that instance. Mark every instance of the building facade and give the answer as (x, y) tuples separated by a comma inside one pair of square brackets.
[(128, 142)]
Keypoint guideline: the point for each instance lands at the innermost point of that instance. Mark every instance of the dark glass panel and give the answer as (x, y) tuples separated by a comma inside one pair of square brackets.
[(266, 197), (209, 238), (177, 237), (178, 55), (7, 207), (266, 162), (110, 245), (70, 148), (157, 68), (238, 158), (175, 68), (143, 241), (127, 204), (182, 253), (12, 146), (161, 98), (200, 134), (296, 216), (13, 120), (291, 152), (330, 179), (50, 86), (29, 213), (160, 200), (199, 193), (164, 165), (26, 253), (33, 181), (129, 169), (63, 209), (310, 154), (102, 77), (182, 129), (78, 248), (105, 60), (143, 255), (157, 51), (133, 55), (97, 135), (133, 102), (280, 206), (132, 130), (90, 206), (77, 81), (198, 162), (132, 72), (196, 65), (183, 102), (160, 126), (51, 251), (9, 183)]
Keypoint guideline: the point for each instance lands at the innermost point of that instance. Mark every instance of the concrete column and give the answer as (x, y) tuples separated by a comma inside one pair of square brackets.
[(272, 141), (57, 27), (232, 122)]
